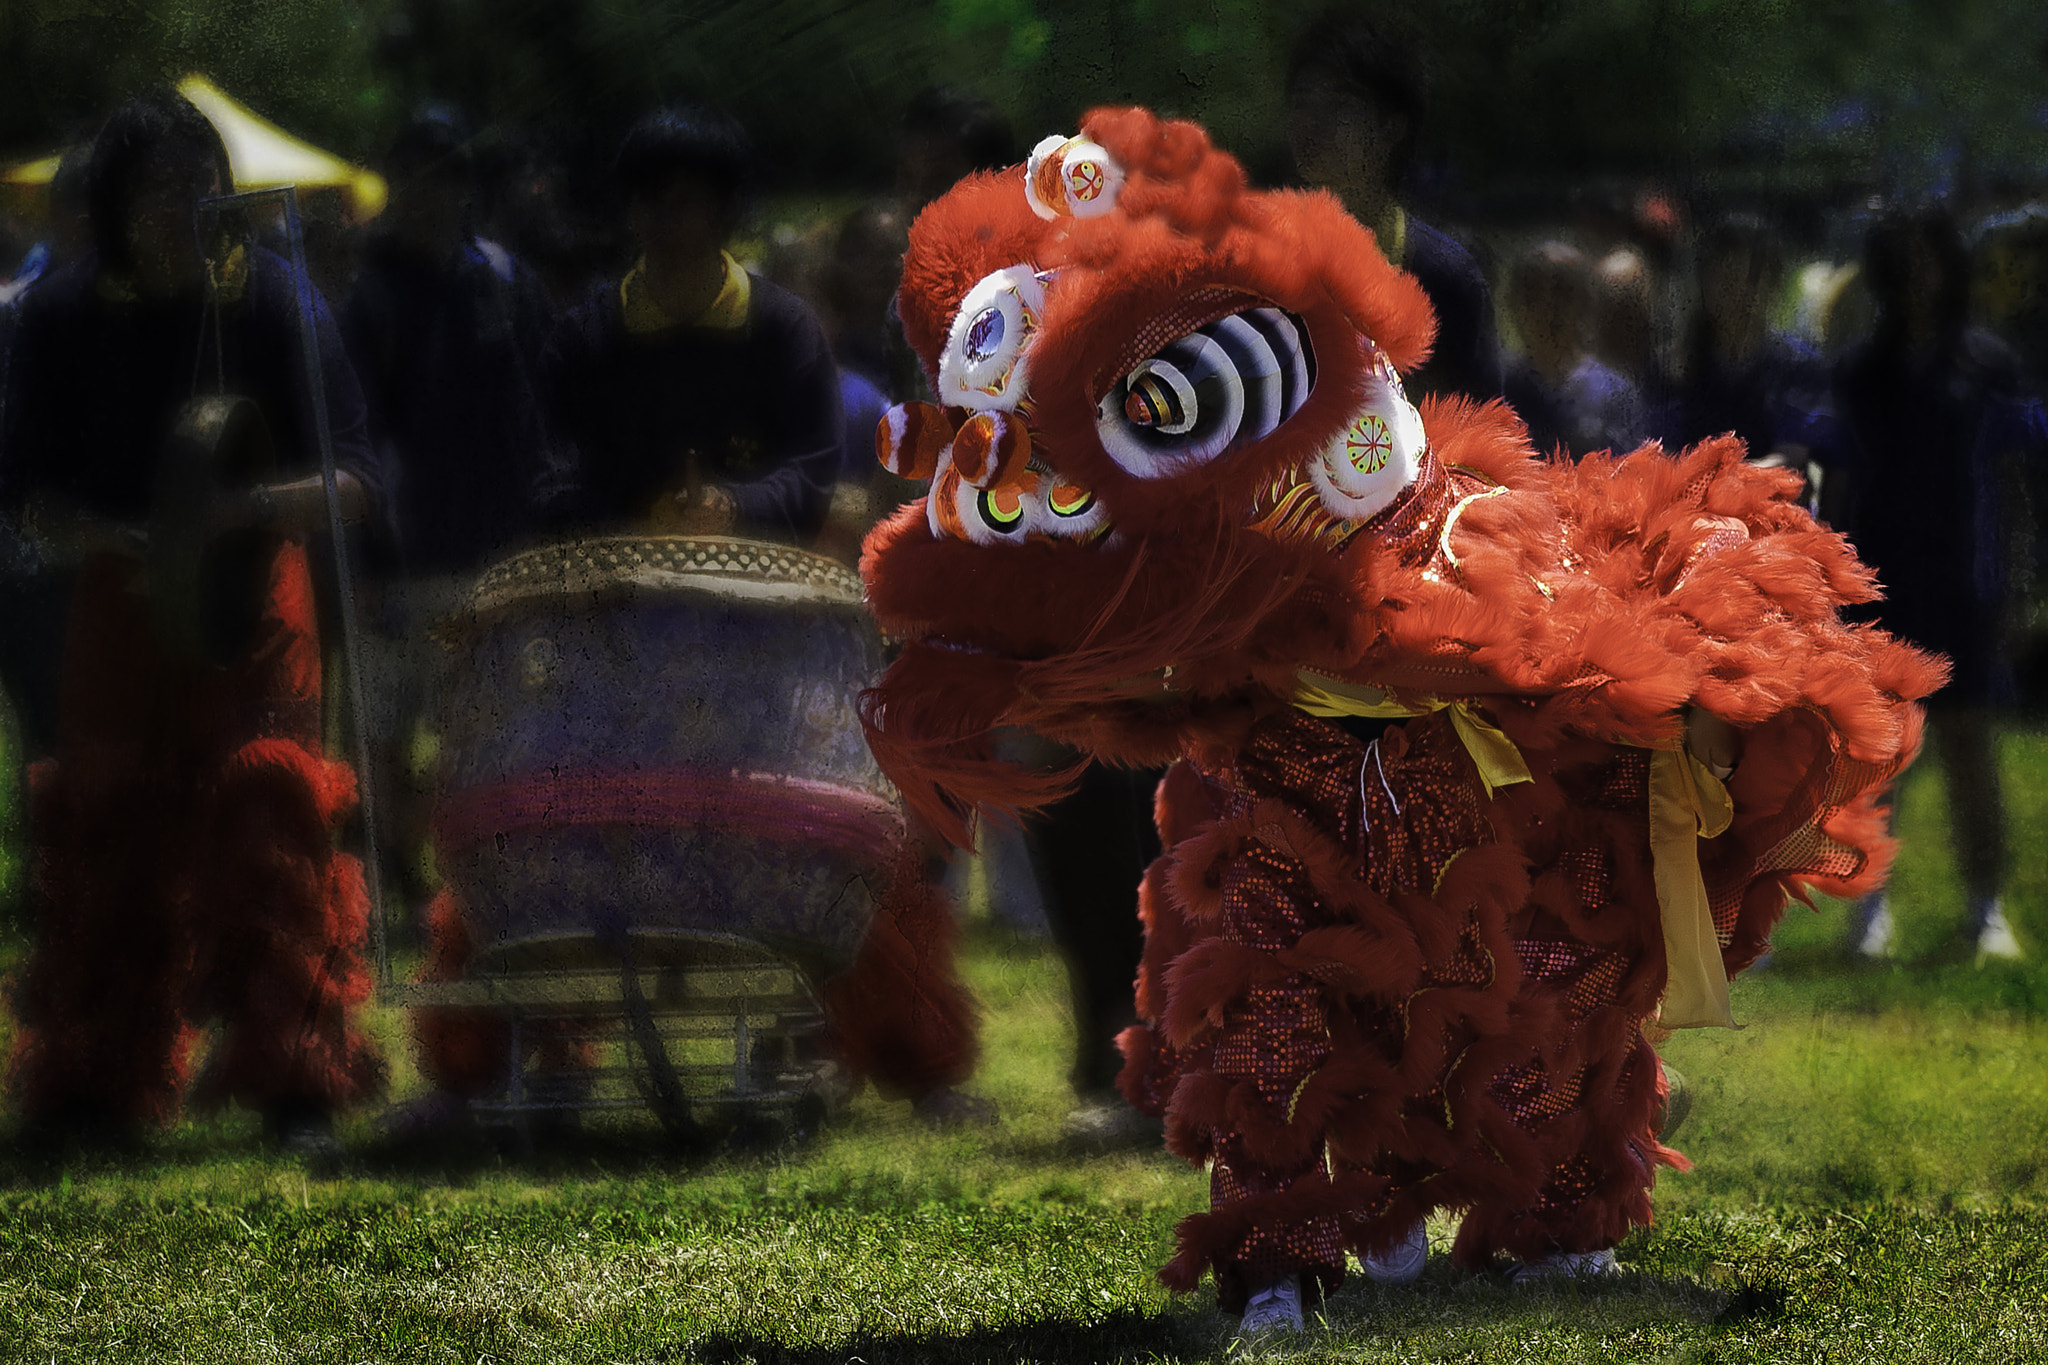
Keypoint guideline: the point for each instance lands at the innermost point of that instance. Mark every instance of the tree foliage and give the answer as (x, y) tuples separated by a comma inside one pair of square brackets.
[(1883, 91)]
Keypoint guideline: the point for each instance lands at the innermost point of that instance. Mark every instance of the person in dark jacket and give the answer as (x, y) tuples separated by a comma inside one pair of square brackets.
[(38, 593), (1744, 376), (184, 864), (1943, 431), (692, 397), (445, 328), (1355, 105), (1564, 394)]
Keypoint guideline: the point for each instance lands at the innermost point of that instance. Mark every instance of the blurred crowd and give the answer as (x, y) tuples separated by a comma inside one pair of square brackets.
[(515, 361)]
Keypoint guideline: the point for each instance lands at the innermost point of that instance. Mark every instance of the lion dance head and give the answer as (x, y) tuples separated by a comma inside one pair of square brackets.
[(1168, 405)]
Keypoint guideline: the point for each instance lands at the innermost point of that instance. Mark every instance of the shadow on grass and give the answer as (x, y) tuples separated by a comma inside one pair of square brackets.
[(1477, 1303), (1123, 1335), (458, 1158)]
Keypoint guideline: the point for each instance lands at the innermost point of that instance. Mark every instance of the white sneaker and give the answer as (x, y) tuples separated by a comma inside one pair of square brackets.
[(1566, 1265), (1996, 939), (1877, 931), (1402, 1262), (1276, 1308)]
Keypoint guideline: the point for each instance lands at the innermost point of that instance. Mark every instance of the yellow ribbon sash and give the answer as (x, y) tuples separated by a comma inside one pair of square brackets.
[(1687, 803), (1499, 762)]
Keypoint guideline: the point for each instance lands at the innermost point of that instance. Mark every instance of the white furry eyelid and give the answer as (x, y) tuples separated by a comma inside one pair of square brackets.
[(984, 367)]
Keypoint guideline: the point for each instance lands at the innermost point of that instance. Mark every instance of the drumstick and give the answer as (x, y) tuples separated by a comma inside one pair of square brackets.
[(693, 478)]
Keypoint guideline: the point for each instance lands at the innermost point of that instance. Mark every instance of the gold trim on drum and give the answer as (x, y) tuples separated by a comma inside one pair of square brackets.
[(723, 565)]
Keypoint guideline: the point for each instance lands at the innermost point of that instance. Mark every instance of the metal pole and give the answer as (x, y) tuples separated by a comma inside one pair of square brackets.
[(309, 352)]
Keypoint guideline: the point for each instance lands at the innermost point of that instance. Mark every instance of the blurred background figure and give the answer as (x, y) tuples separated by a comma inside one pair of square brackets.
[(37, 592), (1741, 374), (1629, 329), (857, 293), (1355, 106), (524, 203), (1558, 386), (1943, 431), (692, 398), (2009, 298), (445, 329), (185, 870), (2009, 284), (1625, 315), (948, 134)]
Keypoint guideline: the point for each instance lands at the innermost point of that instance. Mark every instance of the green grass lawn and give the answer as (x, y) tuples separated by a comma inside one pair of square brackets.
[(1871, 1185)]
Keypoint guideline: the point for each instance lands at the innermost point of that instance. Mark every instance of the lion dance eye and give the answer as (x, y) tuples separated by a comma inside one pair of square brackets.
[(1235, 380), (1066, 500), (1001, 509), (1159, 397)]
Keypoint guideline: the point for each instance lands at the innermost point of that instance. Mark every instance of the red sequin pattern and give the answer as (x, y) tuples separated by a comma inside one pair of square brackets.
[(1407, 805)]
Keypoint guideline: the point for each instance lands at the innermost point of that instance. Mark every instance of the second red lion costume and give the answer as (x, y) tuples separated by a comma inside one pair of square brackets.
[(1436, 848)]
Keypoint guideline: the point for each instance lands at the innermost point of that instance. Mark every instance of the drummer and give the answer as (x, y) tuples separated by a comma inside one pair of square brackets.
[(692, 397), (184, 861), (445, 330)]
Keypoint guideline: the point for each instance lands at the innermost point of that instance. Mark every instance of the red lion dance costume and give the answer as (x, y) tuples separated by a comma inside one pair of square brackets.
[(1180, 510), (186, 867)]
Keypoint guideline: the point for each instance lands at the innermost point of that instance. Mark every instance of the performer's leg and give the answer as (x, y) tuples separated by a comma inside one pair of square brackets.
[(1183, 804), (100, 1045), (461, 1052), (286, 919), (1872, 926), (1089, 852), (1273, 1215), (1275, 1040), (1596, 1118), (900, 1014), (281, 916), (100, 1040), (1966, 738), (1584, 1096)]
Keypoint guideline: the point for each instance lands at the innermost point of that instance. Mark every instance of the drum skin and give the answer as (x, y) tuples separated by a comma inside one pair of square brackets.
[(660, 733)]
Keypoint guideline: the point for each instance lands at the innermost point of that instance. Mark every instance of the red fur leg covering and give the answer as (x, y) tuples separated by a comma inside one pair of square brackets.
[(461, 1051), (1589, 942), (1151, 1067), (284, 919), (900, 1015), (185, 868), (99, 1034), (466, 1051), (1327, 1013)]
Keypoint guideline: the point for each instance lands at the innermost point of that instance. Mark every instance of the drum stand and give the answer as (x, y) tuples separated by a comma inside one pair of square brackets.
[(712, 1032)]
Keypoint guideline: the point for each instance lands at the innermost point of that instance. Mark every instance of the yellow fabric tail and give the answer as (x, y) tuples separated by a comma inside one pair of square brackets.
[(1687, 804)]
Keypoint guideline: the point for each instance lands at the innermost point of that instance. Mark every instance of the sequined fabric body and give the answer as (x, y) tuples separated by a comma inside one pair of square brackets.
[(1447, 1021), (1408, 805)]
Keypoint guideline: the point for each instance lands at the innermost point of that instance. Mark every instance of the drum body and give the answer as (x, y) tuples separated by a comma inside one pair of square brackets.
[(649, 733)]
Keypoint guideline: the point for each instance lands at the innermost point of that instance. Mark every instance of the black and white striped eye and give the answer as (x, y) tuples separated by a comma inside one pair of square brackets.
[(1237, 379)]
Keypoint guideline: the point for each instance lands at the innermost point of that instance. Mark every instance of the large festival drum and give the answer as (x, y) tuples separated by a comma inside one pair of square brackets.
[(660, 733)]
